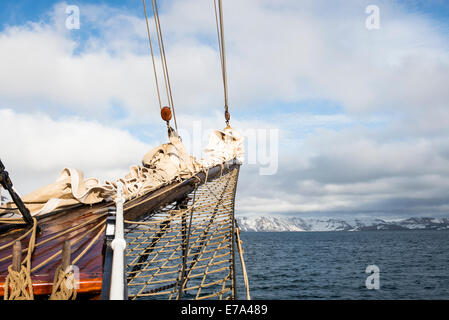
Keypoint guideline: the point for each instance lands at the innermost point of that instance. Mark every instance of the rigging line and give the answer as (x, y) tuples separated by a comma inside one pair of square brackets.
[(165, 63), (163, 228), (221, 44), (184, 258), (218, 36), (152, 55), (160, 50), (223, 49), (203, 237), (164, 60)]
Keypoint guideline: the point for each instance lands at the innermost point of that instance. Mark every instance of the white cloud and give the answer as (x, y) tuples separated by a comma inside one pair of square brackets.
[(387, 143), (353, 170), (35, 148), (284, 53)]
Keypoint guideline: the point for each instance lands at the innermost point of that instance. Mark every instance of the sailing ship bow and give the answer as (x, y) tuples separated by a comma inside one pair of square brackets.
[(167, 230)]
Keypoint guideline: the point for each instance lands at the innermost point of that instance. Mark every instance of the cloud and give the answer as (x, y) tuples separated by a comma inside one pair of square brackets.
[(352, 171), (35, 148), (383, 146), (283, 53)]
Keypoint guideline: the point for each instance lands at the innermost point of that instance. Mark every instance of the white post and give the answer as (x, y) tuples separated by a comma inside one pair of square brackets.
[(118, 245)]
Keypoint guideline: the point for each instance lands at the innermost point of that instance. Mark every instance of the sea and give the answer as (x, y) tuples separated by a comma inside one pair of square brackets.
[(412, 264)]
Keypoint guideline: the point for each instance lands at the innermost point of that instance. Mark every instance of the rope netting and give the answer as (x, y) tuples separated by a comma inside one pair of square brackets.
[(18, 284), (187, 249)]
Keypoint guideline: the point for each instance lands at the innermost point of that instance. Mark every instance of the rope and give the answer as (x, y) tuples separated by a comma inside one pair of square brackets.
[(186, 253), (222, 48), (242, 261), (206, 230), (60, 234), (12, 220), (164, 60), (64, 283), (64, 286), (6, 208), (186, 241), (152, 55), (80, 238), (18, 284)]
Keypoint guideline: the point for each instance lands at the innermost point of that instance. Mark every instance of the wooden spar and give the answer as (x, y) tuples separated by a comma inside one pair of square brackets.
[(171, 193), (66, 253), (17, 256)]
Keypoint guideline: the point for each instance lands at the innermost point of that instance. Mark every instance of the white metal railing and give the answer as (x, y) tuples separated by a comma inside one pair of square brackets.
[(117, 291)]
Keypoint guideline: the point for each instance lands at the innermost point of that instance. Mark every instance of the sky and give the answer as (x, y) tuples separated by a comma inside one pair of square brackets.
[(341, 119)]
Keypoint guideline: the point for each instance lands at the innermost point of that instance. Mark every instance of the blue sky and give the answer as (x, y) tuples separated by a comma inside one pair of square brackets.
[(19, 12), (436, 9), (362, 114)]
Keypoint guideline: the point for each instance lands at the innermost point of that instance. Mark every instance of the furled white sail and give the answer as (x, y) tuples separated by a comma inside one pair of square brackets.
[(160, 166)]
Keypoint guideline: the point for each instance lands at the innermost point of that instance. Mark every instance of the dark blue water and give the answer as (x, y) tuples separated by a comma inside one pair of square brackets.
[(332, 265)]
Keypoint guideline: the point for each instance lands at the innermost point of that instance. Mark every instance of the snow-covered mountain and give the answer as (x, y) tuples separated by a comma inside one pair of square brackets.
[(280, 224)]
